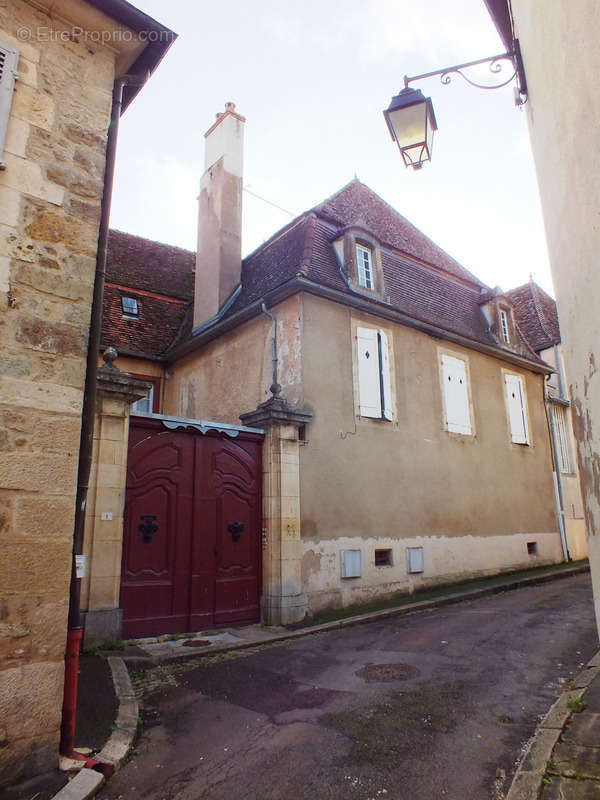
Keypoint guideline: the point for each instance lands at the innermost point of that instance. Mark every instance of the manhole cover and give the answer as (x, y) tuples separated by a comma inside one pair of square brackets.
[(387, 672), (196, 643)]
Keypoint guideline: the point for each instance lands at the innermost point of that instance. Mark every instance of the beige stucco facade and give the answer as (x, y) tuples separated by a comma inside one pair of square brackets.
[(50, 194), (561, 59), (473, 503)]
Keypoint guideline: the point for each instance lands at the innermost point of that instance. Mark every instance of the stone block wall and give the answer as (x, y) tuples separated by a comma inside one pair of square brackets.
[(50, 194)]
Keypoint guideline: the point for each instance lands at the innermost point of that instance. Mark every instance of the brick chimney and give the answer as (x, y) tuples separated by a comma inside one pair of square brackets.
[(219, 254)]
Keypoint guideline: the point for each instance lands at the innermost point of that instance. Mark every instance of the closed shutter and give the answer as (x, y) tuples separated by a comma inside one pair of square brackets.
[(562, 436), (515, 403), (386, 381), (456, 395), (369, 387), (9, 58)]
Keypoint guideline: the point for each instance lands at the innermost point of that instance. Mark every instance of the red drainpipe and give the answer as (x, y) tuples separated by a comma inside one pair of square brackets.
[(88, 413)]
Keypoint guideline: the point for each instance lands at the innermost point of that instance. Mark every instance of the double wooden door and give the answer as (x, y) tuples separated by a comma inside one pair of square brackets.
[(191, 541)]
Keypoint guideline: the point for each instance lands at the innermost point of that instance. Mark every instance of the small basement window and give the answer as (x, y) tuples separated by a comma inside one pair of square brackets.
[(414, 559), (350, 563), (383, 558), (130, 306), (532, 548)]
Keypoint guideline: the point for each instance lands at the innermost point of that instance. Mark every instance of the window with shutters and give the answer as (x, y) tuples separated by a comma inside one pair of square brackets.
[(9, 58), (457, 406), (374, 380), (562, 438), (516, 407)]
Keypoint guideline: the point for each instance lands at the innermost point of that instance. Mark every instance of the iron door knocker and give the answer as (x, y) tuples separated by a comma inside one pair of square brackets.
[(148, 526), (235, 529)]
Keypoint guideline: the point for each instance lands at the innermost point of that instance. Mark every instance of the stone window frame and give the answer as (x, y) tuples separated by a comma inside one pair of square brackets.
[(354, 237), (442, 351)]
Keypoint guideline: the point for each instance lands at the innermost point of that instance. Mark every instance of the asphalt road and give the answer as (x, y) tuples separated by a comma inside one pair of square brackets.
[(436, 704)]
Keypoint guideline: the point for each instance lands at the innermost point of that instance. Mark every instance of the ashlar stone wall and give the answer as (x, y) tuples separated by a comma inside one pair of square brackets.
[(50, 194)]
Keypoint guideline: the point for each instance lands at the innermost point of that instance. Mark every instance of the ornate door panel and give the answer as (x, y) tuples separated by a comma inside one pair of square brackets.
[(191, 547), (157, 534)]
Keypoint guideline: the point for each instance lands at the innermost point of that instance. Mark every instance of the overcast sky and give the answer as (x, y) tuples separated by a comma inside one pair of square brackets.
[(312, 78)]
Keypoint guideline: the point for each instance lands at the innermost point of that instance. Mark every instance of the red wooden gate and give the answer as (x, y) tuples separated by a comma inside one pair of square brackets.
[(191, 540)]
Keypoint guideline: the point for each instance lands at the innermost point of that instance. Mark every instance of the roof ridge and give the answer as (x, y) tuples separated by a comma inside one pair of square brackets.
[(276, 236), (525, 340), (467, 274), (538, 310)]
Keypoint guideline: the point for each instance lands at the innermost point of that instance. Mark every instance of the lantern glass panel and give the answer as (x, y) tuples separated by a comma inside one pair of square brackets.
[(409, 124)]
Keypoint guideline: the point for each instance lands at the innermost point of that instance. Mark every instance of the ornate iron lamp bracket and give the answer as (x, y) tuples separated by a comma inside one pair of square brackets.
[(497, 64)]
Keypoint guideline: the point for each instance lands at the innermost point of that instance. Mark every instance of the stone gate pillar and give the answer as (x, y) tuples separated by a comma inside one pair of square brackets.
[(283, 597), (103, 532)]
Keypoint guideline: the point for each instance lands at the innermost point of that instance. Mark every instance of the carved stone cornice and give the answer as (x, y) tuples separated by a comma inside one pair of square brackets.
[(275, 409)]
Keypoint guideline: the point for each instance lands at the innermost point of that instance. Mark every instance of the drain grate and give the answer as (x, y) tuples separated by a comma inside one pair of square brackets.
[(387, 672)]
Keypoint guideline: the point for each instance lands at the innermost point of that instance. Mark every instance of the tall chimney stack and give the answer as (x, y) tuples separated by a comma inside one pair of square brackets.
[(219, 254)]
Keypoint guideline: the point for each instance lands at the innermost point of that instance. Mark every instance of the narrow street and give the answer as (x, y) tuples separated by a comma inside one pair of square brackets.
[(431, 705)]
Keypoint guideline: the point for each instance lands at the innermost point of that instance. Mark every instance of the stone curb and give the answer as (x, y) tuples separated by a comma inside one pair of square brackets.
[(527, 783), (87, 781), (371, 616)]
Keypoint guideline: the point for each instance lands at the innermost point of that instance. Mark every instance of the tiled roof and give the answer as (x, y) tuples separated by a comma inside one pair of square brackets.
[(357, 204), (161, 278), (438, 292), (536, 315), (447, 296), (155, 267)]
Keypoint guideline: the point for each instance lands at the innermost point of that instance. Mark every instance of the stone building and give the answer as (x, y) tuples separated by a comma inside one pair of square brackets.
[(58, 63), (405, 436), (558, 43)]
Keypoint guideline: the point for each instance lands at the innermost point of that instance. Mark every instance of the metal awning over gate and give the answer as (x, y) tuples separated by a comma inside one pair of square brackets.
[(202, 425)]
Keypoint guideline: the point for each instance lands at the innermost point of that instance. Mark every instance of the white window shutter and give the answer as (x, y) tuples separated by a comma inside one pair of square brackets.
[(9, 58), (456, 395), (386, 381), (560, 425), (369, 388), (515, 403)]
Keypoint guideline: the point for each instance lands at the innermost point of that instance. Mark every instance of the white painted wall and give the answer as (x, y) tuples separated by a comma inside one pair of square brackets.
[(446, 559)]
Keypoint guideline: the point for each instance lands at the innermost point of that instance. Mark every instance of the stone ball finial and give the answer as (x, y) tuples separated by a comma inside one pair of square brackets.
[(109, 355), (275, 388), (229, 106)]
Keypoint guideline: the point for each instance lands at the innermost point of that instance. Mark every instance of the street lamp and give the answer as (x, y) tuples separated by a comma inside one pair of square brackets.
[(410, 116), (411, 121)]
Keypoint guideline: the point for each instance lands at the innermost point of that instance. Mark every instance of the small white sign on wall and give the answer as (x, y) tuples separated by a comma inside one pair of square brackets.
[(80, 566)]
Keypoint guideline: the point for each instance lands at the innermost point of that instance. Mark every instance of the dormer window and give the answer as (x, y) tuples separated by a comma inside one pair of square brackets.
[(130, 307), (504, 327), (364, 261)]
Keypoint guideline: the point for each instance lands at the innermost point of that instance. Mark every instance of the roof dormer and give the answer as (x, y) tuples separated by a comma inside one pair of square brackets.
[(359, 256)]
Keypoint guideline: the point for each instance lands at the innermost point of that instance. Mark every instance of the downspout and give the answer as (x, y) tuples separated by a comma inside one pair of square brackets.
[(556, 477), (275, 387), (88, 413)]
